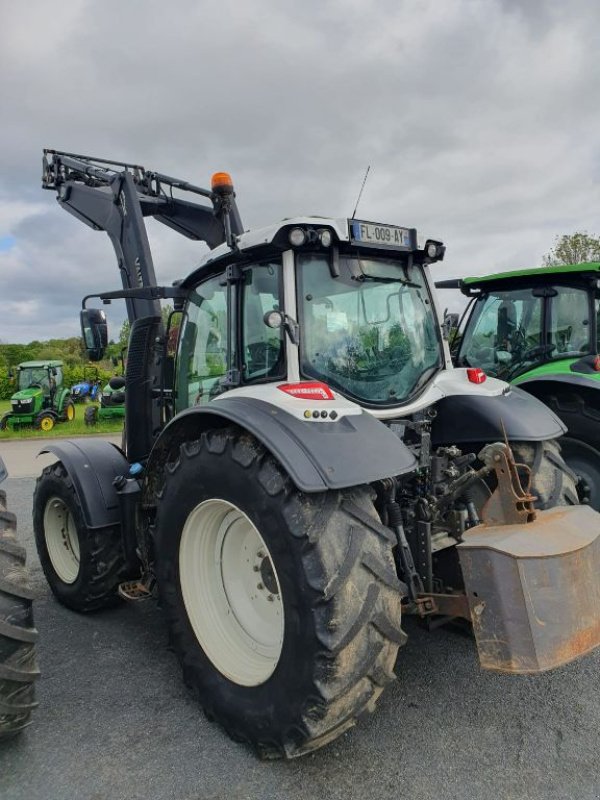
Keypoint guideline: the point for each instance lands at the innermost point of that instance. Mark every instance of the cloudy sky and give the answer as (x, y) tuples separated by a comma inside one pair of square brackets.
[(480, 120)]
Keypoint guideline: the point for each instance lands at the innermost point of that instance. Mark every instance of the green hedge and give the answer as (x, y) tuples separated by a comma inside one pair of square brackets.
[(72, 375)]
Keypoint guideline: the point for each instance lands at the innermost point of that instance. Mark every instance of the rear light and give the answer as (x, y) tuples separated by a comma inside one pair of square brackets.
[(476, 375), (596, 364), (309, 390)]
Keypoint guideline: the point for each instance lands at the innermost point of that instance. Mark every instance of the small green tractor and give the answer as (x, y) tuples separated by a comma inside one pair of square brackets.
[(41, 399), (112, 402), (539, 329)]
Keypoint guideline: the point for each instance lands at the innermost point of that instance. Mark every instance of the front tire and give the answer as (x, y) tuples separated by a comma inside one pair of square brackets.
[(90, 415), (83, 566), (18, 667), (329, 643)]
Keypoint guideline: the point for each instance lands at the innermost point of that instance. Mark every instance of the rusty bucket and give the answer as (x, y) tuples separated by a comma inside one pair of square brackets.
[(534, 589)]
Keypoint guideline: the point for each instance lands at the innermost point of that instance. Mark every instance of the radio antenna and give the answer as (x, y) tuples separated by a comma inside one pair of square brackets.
[(361, 191)]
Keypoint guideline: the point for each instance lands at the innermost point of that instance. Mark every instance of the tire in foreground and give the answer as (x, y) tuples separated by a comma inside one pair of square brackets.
[(82, 565), (284, 608), (18, 665)]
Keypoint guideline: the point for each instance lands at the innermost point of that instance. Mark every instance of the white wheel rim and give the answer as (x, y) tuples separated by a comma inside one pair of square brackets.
[(231, 592), (61, 540)]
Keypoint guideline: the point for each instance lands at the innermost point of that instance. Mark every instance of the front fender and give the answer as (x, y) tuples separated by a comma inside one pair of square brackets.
[(515, 413), (92, 465), (317, 456)]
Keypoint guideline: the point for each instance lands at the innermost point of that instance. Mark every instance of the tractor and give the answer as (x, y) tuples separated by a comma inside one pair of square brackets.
[(112, 397), (18, 660), (88, 389), (41, 399), (539, 329), (306, 467)]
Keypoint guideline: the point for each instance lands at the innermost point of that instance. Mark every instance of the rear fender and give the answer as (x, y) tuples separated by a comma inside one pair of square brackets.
[(468, 418), (93, 465), (353, 450)]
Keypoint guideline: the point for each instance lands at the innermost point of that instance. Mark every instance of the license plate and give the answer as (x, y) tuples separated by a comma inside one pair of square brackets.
[(380, 235)]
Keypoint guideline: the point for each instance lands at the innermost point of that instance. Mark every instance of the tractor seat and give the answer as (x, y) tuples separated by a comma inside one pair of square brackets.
[(116, 382)]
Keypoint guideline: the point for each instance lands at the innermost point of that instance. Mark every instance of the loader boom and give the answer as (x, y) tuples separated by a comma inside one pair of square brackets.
[(115, 197)]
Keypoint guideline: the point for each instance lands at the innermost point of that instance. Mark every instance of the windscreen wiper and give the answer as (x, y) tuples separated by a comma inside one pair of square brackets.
[(381, 279)]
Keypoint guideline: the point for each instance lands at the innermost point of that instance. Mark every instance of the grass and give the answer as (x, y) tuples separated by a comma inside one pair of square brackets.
[(63, 429)]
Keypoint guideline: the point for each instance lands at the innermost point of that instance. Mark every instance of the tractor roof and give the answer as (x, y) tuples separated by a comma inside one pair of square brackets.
[(522, 277), (39, 364)]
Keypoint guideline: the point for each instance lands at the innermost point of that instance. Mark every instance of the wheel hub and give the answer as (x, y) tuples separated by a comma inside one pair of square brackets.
[(231, 592), (267, 575), (62, 541)]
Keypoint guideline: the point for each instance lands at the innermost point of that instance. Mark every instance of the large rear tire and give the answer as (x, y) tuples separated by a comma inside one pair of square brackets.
[(284, 608), (552, 481), (18, 666), (581, 445), (83, 566)]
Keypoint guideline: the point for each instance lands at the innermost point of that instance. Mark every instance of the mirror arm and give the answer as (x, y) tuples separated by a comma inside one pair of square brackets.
[(145, 293)]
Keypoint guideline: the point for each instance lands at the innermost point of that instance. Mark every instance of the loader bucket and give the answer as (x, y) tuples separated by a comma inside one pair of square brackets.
[(534, 589)]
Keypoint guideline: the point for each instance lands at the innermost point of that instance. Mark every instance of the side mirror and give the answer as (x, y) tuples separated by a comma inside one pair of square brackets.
[(95, 332)]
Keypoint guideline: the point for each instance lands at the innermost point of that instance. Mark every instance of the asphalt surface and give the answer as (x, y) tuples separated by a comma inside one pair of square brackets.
[(115, 721)]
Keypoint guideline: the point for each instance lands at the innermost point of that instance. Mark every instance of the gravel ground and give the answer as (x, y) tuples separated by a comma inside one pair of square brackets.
[(115, 721)]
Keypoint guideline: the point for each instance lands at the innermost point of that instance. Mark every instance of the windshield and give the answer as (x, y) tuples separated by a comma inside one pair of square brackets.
[(30, 376), (511, 332), (370, 332)]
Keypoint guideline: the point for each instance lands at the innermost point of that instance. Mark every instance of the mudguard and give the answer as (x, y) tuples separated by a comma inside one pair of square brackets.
[(351, 451), (469, 418), (93, 464)]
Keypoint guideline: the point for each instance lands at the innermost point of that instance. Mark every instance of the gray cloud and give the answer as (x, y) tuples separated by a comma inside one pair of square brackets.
[(478, 118)]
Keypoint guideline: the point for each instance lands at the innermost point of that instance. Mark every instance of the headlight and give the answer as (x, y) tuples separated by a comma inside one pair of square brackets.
[(297, 237)]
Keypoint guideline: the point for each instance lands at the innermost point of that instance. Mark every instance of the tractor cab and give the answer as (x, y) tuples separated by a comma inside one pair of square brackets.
[(533, 322), (341, 302)]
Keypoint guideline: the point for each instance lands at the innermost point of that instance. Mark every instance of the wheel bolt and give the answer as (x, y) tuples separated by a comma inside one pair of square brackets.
[(271, 598), (261, 554), (256, 568), (260, 586)]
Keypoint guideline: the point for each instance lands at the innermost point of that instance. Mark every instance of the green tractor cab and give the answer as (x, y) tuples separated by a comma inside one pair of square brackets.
[(540, 329), (41, 399)]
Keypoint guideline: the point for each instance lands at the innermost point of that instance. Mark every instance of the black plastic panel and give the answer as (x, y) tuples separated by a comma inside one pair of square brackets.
[(93, 464), (317, 455), (469, 418)]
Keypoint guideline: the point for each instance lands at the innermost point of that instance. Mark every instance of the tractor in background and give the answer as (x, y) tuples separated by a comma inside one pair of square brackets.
[(539, 329), (41, 398), (89, 388)]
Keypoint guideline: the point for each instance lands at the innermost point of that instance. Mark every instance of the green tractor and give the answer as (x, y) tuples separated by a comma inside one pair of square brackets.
[(112, 402), (41, 399), (540, 329)]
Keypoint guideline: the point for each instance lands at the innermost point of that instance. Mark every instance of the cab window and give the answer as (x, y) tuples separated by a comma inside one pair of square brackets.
[(262, 347), (570, 324), (507, 332), (202, 362)]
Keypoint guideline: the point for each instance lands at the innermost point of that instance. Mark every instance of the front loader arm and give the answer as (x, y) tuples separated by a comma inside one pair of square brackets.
[(115, 197)]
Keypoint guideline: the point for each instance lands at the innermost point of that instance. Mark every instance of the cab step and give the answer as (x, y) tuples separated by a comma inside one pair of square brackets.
[(142, 589)]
